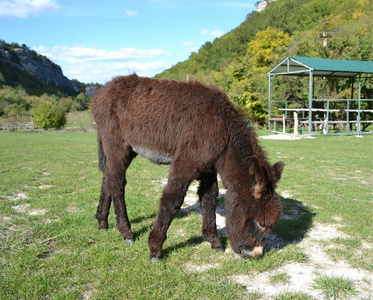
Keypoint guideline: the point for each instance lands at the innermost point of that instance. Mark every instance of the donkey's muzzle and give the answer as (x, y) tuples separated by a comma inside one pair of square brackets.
[(252, 252)]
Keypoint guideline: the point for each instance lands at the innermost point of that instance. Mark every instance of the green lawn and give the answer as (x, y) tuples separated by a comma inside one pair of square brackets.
[(50, 246)]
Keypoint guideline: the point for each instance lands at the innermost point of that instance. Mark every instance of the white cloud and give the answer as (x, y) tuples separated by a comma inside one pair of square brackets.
[(82, 54), (101, 72), (191, 46), (217, 33), (89, 64), (188, 43), (130, 12), (24, 8)]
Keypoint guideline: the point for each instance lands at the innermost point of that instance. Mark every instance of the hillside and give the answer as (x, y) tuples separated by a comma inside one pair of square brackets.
[(302, 20), (32, 84), (238, 61), (35, 73)]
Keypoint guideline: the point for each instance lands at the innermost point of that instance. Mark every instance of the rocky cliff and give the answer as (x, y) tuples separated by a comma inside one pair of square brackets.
[(29, 61)]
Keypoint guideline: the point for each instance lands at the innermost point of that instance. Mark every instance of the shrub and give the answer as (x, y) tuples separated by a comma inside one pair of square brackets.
[(49, 115)]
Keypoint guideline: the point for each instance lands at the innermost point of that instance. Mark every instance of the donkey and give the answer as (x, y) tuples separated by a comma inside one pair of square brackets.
[(194, 128)]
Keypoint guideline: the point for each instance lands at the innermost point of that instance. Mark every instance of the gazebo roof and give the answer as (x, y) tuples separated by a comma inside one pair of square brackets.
[(302, 66)]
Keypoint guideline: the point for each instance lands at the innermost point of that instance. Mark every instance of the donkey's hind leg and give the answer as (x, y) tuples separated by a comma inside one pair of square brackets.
[(112, 190), (208, 192), (103, 206)]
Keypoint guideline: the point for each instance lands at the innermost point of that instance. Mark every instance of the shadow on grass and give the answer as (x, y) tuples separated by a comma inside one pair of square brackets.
[(145, 228), (193, 241), (296, 220)]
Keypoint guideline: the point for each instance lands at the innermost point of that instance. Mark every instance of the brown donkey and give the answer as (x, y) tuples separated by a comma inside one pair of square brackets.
[(195, 129)]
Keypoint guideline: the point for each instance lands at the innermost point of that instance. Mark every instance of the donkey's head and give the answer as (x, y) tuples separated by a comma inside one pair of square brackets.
[(263, 211)]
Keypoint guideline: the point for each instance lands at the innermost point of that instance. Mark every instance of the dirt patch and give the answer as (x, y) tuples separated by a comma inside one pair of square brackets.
[(192, 268), (302, 275), (21, 208), (73, 209), (37, 212), (19, 196), (280, 137), (49, 221), (45, 186)]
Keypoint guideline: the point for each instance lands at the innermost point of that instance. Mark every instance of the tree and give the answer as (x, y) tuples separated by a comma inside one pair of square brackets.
[(49, 115), (248, 88)]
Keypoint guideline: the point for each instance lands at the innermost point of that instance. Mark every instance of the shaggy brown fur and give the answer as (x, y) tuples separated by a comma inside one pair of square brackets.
[(195, 129)]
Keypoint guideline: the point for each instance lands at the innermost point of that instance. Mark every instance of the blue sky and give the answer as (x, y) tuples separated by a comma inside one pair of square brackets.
[(95, 40)]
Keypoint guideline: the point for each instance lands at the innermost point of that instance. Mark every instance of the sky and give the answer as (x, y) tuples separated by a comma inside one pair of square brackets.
[(95, 40)]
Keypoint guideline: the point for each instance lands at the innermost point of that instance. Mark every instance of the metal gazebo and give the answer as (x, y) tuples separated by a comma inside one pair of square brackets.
[(350, 111)]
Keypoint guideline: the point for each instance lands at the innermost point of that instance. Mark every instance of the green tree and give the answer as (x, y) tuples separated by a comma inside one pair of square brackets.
[(15, 98), (49, 115), (248, 88), (81, 102)]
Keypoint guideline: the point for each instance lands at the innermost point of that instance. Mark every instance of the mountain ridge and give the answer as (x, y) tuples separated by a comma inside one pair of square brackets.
[(30, 61)]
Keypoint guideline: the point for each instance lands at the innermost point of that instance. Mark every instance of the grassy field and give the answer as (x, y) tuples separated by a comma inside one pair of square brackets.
[(50, 247), (79, 120)]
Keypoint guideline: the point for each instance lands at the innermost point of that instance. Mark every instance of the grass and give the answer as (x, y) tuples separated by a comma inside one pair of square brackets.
[(79, 119), (334, 287), (279, 278), (292, 296), (50, 246)]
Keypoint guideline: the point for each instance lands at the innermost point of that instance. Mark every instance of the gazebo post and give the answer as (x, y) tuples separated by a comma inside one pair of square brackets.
[(310, 96), (270, 103), (348, 105), (358, 110)]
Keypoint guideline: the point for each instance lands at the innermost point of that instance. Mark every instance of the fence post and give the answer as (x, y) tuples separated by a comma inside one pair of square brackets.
[(296, 123)]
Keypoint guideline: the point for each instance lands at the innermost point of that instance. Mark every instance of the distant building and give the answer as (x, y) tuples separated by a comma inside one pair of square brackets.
[(262, 5)]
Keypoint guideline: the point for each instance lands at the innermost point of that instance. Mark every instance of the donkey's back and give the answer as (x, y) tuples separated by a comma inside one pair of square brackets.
[(159, 118)]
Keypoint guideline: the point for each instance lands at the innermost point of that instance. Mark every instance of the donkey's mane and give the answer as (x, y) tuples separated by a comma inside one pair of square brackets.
[(246, 139), (241, 134), (257, 150)]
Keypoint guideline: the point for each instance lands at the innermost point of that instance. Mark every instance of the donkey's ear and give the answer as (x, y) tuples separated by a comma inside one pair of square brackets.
[(278, 168), (258, 178)]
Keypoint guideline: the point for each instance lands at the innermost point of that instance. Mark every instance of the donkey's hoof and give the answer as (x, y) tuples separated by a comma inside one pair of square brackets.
[(103, 229), (130, 241), (155, 260)]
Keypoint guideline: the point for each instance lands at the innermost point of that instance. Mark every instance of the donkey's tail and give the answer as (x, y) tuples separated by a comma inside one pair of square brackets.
[(101, 155)]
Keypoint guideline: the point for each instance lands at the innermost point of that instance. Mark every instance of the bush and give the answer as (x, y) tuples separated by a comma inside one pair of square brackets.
[(49, 115)]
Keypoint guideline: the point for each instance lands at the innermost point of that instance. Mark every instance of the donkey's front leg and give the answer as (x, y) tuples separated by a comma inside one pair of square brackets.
[(208, 192), (169, 206), (172, 198)]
